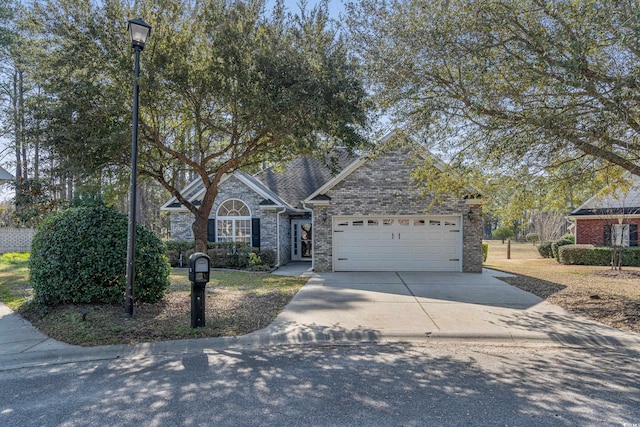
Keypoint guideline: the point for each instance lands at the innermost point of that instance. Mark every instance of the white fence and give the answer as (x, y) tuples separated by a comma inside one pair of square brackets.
[(16, 239)]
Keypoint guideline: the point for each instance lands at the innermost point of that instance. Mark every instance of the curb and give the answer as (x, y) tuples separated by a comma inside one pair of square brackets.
[(75, 354)]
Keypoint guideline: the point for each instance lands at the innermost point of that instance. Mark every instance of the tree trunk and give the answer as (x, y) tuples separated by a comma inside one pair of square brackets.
[(36, 153), (69, 195), (201, 222), (16, 131), (199, 228), (23, 143)]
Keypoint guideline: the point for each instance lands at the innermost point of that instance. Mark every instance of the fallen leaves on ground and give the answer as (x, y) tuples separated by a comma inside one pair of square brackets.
[(227, 313), (599, 293)]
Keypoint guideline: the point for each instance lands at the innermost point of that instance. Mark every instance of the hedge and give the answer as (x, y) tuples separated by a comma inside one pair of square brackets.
[(223, 255), (601, 255), (557, 244), (485, 251)]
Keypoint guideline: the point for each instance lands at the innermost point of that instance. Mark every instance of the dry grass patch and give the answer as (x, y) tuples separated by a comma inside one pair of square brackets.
[(237, 303), (595, 292)]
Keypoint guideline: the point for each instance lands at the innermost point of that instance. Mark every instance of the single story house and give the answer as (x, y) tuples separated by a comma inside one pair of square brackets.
[(606, 219), (5, 176), (359, 215)]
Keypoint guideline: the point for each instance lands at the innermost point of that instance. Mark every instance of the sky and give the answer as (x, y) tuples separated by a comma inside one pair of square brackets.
[(335, 6)]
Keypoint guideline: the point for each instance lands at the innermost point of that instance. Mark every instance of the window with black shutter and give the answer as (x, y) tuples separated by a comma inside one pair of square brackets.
[(255, 232), (211, 230), (607, 234)]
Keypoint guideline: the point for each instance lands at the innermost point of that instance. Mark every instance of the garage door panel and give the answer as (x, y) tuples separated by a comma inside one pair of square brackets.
[(397, 243)]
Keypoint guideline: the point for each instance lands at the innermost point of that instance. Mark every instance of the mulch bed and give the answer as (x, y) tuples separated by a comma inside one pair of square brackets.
[(619, 274)]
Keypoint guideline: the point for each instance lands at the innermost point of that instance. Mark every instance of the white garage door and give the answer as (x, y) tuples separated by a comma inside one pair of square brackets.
[(420, 243)]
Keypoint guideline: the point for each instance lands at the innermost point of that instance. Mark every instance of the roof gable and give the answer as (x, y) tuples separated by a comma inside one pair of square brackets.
[(280, 188), (5, 176), (303, 175), (317, 196), (619, 202), (195, 191)]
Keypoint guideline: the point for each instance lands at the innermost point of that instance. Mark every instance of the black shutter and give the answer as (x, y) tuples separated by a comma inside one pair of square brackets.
[(633, 234), (211, 230), (607, 234), (255, 232)]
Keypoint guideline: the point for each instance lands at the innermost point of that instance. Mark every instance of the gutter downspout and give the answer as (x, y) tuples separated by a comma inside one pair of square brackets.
[(313, 237), (278, 236)]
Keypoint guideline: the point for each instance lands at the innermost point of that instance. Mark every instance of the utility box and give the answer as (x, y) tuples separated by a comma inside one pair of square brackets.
[(199, 268)]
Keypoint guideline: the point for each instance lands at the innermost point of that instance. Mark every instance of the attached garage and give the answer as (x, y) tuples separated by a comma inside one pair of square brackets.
[(397, 243)]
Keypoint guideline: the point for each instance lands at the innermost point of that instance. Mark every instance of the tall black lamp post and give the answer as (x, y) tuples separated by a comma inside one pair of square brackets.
[(139, 31)]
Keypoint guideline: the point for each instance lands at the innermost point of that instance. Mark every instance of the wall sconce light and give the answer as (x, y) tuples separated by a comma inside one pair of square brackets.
[(470, 215), (324, 216)]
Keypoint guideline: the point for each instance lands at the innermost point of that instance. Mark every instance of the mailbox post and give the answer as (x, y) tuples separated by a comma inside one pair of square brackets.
[(199, 267)]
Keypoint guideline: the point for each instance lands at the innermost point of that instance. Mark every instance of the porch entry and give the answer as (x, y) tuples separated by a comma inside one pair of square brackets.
[(301, 240)]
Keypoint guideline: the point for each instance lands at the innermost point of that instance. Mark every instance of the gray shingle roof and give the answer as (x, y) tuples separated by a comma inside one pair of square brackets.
[(290, 185), (618, 203), (303, 175), (5, 176)]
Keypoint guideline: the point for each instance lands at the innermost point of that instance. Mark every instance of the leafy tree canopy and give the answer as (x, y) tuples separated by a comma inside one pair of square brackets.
[(504, 86), (229, 86), (224, 85)]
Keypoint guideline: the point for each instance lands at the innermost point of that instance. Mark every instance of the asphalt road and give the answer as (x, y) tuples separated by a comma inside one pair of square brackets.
[(371, 385)]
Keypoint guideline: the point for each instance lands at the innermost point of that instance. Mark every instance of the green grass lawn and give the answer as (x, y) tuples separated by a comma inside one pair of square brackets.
[(14, 282), (237, 303)]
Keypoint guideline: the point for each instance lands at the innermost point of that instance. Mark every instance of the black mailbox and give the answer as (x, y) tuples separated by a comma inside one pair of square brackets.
[(199, 267)]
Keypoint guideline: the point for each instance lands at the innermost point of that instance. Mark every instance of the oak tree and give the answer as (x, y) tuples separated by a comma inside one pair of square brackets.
[(227, 86), (506, 85)]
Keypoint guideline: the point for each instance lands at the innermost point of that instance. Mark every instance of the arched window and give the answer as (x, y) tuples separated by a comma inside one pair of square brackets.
[(233, 222)]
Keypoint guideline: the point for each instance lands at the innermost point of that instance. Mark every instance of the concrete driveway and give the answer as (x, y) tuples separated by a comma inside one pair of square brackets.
[(419, 305)]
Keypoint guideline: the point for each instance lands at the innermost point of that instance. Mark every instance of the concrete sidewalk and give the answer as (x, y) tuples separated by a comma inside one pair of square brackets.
[(18, 336), (356, 307)]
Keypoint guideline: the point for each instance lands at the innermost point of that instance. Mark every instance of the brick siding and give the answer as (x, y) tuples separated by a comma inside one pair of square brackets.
[(591, 231), (383, 187), (233, 188)]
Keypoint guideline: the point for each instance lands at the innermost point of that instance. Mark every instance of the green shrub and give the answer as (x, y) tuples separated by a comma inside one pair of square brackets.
[(502, 233), (174, 258), (177, 251), (544, 249), (79, 256), (532, 237), (485, 251), (601, 255), (179, 245), (558, 243), (268, 257)]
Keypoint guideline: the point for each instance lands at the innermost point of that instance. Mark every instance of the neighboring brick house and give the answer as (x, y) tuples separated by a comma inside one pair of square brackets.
[(607, 219), (363, 217)]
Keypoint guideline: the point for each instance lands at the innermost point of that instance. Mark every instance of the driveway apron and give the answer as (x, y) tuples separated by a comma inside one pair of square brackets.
[(469, 306)]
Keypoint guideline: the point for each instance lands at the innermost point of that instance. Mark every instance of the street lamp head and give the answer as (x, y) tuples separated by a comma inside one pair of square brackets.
[(139, 31)]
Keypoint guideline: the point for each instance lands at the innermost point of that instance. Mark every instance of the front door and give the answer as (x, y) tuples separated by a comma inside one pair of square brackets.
[(301, 240)]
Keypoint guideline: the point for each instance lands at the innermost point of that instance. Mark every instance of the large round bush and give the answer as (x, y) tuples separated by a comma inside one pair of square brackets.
[(79, 256)]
